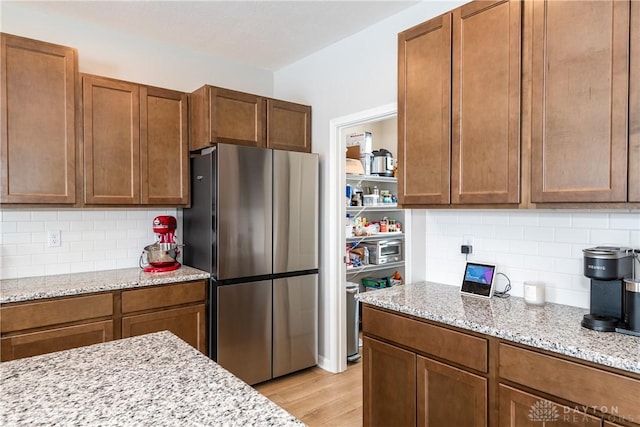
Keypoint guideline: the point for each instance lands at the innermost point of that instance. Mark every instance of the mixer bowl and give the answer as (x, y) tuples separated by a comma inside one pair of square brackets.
[(161, 254)]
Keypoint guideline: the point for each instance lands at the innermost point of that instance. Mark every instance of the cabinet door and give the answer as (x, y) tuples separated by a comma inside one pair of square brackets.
[(449, 396), (188, 323), (223, 115), (288, 126), (579, 85), (38, 137), (424, 113), (58, 339), (389, 379), (111, 114), (520, 409), (164, 147), (486, 103), (634, 105)]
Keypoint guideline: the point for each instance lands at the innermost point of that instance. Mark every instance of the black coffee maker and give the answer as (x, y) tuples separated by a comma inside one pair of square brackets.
[(609, 268)]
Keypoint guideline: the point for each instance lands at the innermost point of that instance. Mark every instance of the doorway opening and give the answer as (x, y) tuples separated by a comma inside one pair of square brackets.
[(339, 128)]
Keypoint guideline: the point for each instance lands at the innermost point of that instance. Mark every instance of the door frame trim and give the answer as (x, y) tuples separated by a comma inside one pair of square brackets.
[(335, 359)]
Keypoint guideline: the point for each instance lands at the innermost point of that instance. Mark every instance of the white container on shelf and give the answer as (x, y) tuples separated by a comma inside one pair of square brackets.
[(370, 199)]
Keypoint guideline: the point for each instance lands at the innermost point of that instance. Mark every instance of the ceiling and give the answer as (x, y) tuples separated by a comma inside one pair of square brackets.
[(264, 34)]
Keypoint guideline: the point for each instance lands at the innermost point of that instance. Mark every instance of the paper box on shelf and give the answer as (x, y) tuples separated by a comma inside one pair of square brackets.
[(362, 140), (354, 167), (353, 152)]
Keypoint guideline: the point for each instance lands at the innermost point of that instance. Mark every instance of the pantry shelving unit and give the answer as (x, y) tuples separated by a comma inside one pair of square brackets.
[(375, 213)]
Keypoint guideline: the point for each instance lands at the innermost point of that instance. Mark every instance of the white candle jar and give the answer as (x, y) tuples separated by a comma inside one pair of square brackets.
[(534, 293)]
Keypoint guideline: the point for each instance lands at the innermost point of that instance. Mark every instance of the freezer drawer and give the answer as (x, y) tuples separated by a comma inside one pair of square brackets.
[(244, 330), (295, 323)]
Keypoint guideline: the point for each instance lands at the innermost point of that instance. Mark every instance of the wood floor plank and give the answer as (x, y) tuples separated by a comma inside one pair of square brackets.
[(320, 398)]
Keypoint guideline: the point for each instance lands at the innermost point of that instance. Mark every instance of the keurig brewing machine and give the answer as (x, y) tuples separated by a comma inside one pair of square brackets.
[(615, 294)]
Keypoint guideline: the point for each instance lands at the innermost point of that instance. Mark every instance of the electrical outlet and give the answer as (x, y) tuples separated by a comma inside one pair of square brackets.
[(53, 238), (467, 240)]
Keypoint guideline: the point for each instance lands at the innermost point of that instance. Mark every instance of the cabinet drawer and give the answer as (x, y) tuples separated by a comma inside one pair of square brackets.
[(456, 347), (58, 339), (163, 296), (188, 323), (54, 312), (574, 382), (521, 409)]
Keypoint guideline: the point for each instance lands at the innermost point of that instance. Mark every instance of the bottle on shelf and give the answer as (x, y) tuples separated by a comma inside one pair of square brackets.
[(348, 226)]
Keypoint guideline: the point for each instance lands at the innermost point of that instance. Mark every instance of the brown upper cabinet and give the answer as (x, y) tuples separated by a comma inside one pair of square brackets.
[(224, 115), (580, 98), (38, 125), (634, 105), (424, 113), (111, 119), (288, 126), (459, 107), (164, 146), (135, 144)]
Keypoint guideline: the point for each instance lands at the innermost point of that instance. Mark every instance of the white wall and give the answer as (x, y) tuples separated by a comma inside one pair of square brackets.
[(111, 53)]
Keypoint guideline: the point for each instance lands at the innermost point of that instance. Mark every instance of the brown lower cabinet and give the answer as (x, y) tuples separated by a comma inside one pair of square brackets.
[(56, 339), (389, 384), (448, 395), (188, 323), (405, 388), (45, 326), (422, 373), (518, 408)]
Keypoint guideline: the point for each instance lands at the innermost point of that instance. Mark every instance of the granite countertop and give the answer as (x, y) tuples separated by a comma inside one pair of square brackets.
[(34, 288), (149, 380), (551, 327)]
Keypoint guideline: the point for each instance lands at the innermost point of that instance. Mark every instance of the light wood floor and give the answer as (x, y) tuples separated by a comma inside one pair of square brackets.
[(320, 398)]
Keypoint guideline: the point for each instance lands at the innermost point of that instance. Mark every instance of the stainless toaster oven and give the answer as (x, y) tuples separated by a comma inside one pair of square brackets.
[(385, 251)]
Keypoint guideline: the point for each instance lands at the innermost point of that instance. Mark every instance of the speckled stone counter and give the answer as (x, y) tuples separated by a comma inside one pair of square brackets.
[(551, 327), (34, 288), (150, 380)]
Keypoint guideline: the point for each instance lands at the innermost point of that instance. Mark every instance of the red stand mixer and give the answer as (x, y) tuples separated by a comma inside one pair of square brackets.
[(162, 255)]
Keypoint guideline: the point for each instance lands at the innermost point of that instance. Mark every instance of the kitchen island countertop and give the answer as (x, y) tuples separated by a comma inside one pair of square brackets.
[(41, 287), (552, 327), (155, 379)]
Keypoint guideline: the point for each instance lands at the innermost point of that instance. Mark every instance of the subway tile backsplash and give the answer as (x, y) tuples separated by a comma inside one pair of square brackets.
[(525, 245), (91, 240)]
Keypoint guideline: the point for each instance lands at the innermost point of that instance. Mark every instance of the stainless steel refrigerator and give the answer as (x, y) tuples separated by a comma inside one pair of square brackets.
[(253, 224)]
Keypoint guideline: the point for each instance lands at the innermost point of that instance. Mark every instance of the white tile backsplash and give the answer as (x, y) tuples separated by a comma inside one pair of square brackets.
[(91, 240), (525, 245)]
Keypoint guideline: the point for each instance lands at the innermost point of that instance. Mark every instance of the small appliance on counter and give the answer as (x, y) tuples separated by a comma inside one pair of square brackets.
[(163, 254), (615, 294)]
